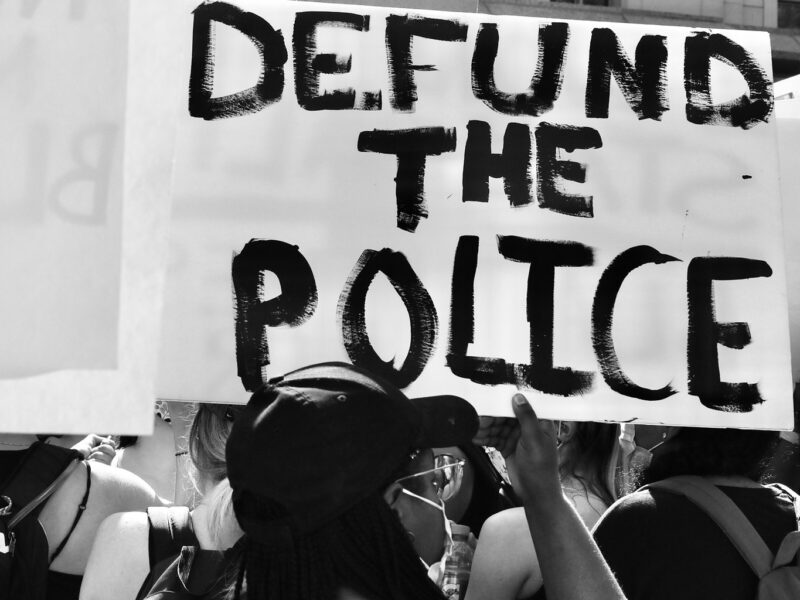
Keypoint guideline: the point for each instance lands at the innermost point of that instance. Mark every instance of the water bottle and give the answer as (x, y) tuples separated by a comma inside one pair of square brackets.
[(457, 562)]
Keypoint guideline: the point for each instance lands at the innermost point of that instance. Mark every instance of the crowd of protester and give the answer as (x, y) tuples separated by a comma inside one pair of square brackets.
[(332, 484)]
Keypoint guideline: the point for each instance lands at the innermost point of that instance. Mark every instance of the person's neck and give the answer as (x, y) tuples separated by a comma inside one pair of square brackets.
[(16, 441), (577, 478)]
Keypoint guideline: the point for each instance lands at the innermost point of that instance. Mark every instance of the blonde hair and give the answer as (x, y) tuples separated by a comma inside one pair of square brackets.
[(219, 503), (207, 438)]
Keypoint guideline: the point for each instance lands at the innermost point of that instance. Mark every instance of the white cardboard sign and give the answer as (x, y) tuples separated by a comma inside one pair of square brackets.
[(80, 265), (474, 204)]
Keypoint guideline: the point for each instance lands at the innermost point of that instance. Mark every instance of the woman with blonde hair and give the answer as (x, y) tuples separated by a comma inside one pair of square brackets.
[(129, 546)]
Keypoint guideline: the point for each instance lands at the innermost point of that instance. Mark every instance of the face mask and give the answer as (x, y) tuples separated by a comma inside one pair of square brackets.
[(448, 531), (438, 506), (634, 458)]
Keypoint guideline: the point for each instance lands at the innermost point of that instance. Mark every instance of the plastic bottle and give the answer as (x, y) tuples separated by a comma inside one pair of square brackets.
[(456, 564)]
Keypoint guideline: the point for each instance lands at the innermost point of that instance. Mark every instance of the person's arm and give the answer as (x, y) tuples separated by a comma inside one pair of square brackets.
[(119, 561), (505, 566), (570, 561), (112, 490)]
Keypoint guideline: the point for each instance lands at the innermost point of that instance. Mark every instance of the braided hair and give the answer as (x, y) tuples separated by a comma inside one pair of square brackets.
[(365, 550)]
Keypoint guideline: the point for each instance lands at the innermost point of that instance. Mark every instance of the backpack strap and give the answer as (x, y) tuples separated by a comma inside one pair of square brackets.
[(717, 505), (170, 530), (790, 549)]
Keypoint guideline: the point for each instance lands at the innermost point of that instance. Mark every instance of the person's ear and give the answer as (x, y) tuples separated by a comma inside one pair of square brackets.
[(392, 495), (566, 431)]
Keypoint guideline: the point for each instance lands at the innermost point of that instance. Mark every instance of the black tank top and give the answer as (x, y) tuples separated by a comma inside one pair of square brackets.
[(60, 586)]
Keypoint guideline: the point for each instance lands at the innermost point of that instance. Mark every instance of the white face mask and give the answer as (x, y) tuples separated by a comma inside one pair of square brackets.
[(634, 458), (448, 531)]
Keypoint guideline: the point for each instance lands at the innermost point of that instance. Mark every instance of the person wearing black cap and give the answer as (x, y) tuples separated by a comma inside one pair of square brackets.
[(309, 461)]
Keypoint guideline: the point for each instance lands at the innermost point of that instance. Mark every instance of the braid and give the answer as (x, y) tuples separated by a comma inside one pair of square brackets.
[(366, 550)]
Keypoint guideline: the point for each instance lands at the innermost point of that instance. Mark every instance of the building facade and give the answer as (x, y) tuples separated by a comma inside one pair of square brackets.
[(781, 18)]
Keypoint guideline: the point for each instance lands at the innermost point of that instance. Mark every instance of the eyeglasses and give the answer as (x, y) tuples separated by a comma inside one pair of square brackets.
[(445, 477)]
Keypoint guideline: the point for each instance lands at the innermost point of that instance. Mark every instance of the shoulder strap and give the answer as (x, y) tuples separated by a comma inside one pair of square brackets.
[(726, 514), (38, 475), (170, 530), (78, 515)]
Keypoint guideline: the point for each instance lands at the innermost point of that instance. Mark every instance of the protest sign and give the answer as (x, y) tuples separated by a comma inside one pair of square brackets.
[(476, 204), (79, 312)]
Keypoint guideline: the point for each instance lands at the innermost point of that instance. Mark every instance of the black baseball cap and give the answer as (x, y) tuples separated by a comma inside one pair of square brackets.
[(322, 438)]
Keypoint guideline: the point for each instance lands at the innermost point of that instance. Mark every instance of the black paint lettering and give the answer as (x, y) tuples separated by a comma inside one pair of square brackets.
[(745, 111), (411, 146), (603, 317), (400, 29), (541, 375), (462, 302), (549, 139), (545, 85), (418, 303), (267, 41), (512, 164), (543, 257), (705, 333), (644, 85), (309, 65), (295, 304), (483, 370)]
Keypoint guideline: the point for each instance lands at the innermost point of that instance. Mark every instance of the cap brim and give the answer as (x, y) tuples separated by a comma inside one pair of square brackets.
[(446, 421)]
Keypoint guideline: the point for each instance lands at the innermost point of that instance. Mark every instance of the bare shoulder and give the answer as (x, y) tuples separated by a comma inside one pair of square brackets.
[(119, 561), (122, 527), (120, 490), (505, 540), (504, 523), (92, 492), (505, 565), (121, 537)]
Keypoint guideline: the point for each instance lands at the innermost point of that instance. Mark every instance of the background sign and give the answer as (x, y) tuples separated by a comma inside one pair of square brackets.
[(787, 111), (474, 204), (79, 249)]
